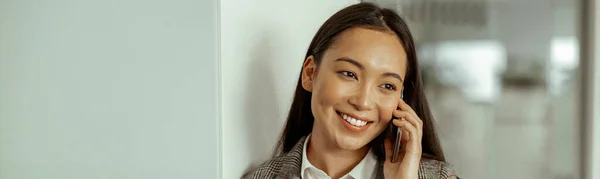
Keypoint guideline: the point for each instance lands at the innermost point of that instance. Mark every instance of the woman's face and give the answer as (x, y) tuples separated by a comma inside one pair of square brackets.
[(356, 87)]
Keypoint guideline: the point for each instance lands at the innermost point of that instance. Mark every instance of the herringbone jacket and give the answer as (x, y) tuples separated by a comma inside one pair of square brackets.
[(287, 166)]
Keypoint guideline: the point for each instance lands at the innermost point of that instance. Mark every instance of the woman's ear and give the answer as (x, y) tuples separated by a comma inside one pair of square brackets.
[(308, 73), (402, 93)]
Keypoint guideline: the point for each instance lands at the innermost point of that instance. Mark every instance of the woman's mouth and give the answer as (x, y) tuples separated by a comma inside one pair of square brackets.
[(352, 123)]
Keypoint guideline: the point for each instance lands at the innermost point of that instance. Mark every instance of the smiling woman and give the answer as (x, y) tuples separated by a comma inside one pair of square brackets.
[(348, 97)]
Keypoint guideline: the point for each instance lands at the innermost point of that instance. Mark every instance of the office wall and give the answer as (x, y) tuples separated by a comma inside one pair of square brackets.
[(595, 130), (263, 44), (109, 89)]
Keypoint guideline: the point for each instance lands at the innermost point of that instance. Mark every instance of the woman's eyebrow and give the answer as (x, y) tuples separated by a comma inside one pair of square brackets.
[(351, 61), (362, 67), (393, 75)]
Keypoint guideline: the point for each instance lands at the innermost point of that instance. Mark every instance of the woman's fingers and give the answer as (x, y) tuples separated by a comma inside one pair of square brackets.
[(415, 121), (405, 107), (410, 155), (413, 145)]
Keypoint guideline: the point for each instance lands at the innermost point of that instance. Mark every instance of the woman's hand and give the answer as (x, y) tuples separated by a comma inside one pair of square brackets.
[(407, 164)]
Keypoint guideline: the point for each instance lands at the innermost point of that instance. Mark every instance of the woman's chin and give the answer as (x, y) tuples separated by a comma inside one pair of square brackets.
[(351, 143)]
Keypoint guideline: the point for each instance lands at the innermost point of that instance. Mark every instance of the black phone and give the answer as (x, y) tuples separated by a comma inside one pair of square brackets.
[(397, 133)]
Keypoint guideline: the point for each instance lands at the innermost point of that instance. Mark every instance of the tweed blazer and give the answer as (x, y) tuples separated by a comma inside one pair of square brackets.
[(288, 166)]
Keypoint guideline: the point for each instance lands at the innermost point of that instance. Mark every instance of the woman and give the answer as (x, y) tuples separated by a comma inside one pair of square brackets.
[(359, 64)]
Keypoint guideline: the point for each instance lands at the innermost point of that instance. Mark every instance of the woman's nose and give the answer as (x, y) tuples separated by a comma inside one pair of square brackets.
[(363, 100)]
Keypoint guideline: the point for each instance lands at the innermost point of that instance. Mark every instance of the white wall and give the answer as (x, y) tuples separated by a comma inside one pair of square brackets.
[(109, 89), (263, 43), (595, 132)]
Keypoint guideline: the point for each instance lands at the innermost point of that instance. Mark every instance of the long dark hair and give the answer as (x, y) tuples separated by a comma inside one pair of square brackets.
[(366, 15)]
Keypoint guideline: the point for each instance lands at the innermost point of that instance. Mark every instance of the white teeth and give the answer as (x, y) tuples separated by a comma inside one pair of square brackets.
[(353, 121)]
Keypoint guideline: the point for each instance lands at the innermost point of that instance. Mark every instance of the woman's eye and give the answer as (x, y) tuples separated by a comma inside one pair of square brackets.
[(348, 74), (389, 87)]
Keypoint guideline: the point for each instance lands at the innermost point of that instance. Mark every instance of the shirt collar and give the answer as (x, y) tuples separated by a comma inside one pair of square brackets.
[(364, 169)]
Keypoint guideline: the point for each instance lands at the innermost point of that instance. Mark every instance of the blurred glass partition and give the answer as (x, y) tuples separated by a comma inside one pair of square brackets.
[(502, 80)]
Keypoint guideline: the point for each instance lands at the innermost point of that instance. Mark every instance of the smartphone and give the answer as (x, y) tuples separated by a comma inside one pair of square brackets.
[(397, 132)]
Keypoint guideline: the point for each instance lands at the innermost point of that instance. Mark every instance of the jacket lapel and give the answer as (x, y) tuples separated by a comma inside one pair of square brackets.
[(293, 161)]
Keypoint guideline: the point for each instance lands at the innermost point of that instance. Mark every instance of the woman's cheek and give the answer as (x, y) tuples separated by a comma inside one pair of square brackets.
[(333, 91), (387, 108)]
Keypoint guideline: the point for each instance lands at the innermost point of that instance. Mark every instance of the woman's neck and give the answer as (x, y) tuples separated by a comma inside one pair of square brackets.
[(332, 160)]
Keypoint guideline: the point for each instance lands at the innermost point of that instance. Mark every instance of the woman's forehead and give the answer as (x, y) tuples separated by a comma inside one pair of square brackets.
[(373, 48)]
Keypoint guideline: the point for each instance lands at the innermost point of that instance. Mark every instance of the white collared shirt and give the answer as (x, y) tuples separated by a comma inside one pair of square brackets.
[(364, 169)]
